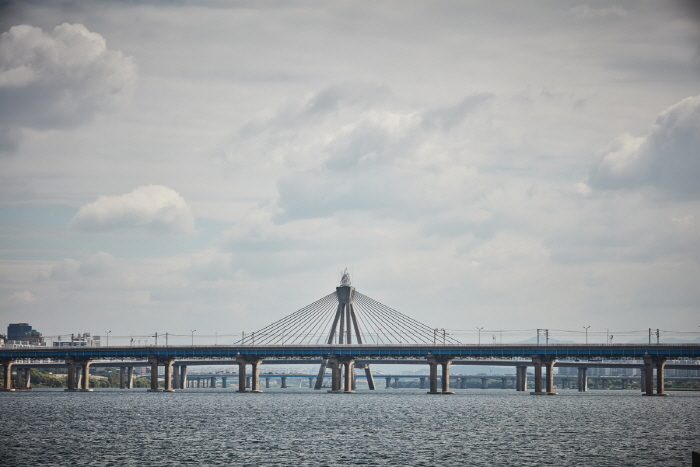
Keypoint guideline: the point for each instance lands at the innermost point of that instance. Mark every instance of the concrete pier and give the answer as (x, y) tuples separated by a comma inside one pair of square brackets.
[(582, 379), (444, 364), (7, 376), (521, 378), (183, 376), (504, 383), (548, 362), (224, 384), (349, 365), (78, 375), (283, 381), (85, 376), (176, 377), (660, 365), (70, 374), (154, 374), (648, 376), (388, 382), (252, 381)]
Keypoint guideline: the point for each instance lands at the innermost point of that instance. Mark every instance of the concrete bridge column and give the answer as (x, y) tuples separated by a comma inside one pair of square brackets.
[(311, 382), (660, 366), (422, 382), (354, 380), (247, 381), (335, 374), (388, 382), (130, 377), (521, 377), (27, 378), (550, 362), (349, 372), (85, 379), (643, 380), (267, 383), (154, 374), (122, 377), (18, 378), (649, 376), (283, 381), (183, 376), (213, 382), (433, 376), (223, 382), (504, 383), (199, 382), (255, 375), (78, 376), (176, 377), (168, 374), (582, 379), (7, 376), (484, 383), (537, 362), (241, 375), (445, 363), (396, 383)]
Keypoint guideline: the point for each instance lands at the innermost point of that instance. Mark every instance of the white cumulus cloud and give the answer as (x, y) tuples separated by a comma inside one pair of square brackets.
[(155, 208), (60, 78), (667, 156)]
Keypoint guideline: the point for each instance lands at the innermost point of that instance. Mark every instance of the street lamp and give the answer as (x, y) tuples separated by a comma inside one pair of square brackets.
[(480, 334), (107, 332), (193, 331), (586, 328)]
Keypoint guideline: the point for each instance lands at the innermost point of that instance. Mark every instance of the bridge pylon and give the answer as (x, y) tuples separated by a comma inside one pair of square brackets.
[(345, 325)]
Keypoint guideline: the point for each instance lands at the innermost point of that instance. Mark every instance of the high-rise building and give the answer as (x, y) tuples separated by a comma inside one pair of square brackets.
[(23, 334)]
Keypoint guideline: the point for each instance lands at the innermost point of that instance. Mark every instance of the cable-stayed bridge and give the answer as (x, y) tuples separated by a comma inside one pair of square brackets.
[(339, 329)]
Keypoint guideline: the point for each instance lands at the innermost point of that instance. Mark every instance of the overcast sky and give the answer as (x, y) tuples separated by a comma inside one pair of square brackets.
[(214, 166)]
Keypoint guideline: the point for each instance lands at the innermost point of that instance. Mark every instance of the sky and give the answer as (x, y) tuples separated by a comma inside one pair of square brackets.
[(214, 166)]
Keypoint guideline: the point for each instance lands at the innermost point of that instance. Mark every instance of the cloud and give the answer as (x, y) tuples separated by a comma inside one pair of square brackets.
[(59, 79), (24, 296), (154, 208), (666, 157)]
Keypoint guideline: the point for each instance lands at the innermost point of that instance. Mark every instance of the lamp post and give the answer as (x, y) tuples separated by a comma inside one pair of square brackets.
[(107, 332), (480, 333), (586, 328), (193, 331)]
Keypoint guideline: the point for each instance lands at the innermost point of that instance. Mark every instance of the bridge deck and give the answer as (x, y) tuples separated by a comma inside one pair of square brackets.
[(392, 351)]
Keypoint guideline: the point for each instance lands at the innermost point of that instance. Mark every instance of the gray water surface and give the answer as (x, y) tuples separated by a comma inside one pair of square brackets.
[(282, 427)]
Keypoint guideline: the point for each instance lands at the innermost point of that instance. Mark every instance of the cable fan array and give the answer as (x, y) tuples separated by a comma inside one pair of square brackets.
[(378, 324)]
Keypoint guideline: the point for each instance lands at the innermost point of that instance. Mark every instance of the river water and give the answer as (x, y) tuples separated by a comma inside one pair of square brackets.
[(302, 427)]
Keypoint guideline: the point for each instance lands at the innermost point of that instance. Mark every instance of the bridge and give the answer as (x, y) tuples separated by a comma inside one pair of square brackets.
[(346, 330)]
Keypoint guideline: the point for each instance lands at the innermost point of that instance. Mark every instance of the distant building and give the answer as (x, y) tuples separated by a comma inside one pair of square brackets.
[(78, 340), (22, 334)]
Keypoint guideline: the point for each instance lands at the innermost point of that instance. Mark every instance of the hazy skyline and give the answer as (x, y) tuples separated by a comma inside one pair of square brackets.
[(170, 166)]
